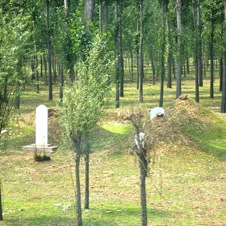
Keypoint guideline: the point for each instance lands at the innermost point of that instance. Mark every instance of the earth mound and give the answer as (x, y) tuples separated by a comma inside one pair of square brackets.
[(188, 124)]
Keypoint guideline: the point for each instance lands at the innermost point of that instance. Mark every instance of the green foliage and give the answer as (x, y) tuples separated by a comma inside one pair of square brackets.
[(14, 52), (83, 100)]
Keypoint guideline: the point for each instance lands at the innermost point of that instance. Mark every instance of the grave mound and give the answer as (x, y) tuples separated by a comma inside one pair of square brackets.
[(187, 124)]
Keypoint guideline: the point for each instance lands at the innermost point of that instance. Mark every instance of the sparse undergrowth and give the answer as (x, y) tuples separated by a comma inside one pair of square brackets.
[(186, 183)]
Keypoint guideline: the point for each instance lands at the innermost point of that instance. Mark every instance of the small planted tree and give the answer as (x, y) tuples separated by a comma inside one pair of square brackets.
[(143, 141), (82, 106)]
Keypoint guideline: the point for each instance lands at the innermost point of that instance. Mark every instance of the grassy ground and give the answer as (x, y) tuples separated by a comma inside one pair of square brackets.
[(186, 182)]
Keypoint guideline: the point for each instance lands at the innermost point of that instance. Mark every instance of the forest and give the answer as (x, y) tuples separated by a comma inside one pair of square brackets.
[(43, 40), (84, 58)]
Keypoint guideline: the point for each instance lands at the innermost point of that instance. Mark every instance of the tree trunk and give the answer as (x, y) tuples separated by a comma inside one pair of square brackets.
[(66, 4), (141, 57), (131, 65), (121, 59), (143, 196), (77, 179), (196, 58), (162, 56), (87, 153), (117, 53), (61, 83), (187, 65), (106, 13), (36, 73), (221, 72), (17, 96), (1, 209), (49, 52), (54, 62), (211, 59), (179, 49), (199, 24), (169, 58), (88, 10), (45, 69), (41, 67), (100, 16), (152, 66), (223, 102)]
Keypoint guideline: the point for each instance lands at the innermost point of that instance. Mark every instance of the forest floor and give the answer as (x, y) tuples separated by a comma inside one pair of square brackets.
[(186, 180)]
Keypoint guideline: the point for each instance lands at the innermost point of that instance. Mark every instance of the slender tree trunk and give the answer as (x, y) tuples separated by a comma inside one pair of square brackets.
[(77, 179), (36, 73), (106, 13), (162, 56), (196, 80), (117, 53), (131, 66), (121, 59), (100, 16), (221, 72), (187, 65), (1, 209), (212, 59), (88, 10), (141, 57), (66, 4), (141, 152), (45, 69), (204, 69), (179, 49), (49, 52), (169, 60), (61, 83), (138, 71), (153, 66), (17, 97), (143, 196), (54, 62), (41, 67), (223, 101), (87, 153), (137, 47), (196, 58), (184, 70), (199, 49)]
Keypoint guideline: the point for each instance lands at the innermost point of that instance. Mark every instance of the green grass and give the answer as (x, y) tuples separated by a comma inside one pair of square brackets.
[(185, 186)]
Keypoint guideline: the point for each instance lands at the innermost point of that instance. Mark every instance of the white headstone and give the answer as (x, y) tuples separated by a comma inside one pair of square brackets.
[(157, 112), (41, 125)]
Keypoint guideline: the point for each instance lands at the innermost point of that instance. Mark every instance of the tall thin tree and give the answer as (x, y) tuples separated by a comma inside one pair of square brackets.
[(170, 51), (196, 45), (179, 48), (223, 101), (49, 52), (162, 54), (141, 54), (117, 55)]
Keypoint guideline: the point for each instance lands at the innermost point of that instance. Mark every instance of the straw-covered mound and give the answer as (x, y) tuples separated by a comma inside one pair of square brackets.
[(188, 124)]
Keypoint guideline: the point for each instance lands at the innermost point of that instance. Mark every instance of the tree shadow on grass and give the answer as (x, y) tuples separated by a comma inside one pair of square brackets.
[(40, 221), (112, 216), (124, 216)]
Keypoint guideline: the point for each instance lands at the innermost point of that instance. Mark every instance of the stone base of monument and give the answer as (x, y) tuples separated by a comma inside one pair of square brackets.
[(34, 147)]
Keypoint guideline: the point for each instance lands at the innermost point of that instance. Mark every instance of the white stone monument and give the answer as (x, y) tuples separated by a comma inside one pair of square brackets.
[(41, 135), (157, 112)]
